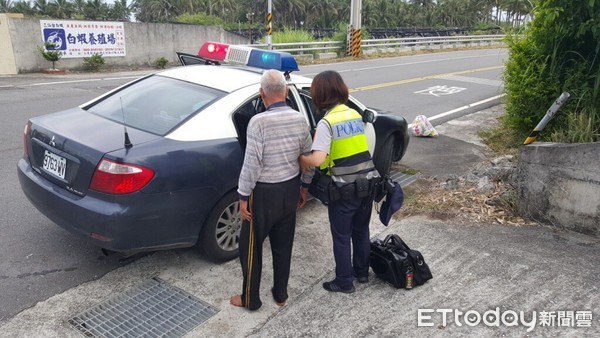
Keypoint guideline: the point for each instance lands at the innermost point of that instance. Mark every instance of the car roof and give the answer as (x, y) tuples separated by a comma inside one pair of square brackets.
[(226, 78)]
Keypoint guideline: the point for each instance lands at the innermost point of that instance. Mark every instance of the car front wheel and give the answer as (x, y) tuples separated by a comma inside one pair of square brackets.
[(221, 233)]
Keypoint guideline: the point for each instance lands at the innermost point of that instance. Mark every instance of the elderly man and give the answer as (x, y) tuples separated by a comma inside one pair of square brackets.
[(271, 188)]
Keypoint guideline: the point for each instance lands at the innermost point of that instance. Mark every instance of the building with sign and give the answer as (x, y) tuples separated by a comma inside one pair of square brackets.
[(122, 44)]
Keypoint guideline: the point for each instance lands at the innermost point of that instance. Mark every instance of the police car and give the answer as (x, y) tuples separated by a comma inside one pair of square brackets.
[(154, 164)]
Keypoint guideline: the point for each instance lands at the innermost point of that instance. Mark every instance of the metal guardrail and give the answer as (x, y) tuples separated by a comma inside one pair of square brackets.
[(430, 41), (300, 48)]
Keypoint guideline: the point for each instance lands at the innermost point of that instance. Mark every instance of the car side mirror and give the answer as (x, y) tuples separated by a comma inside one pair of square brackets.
[(369, 116)]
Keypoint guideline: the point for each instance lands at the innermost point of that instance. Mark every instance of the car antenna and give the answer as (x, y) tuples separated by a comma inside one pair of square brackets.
[(128, 143)]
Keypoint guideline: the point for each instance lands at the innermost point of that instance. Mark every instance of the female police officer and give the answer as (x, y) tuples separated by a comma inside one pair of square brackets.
[(340, 149)]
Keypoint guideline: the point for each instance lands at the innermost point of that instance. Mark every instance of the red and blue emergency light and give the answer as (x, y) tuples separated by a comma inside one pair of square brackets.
[(213, 51), (268, 59), (248, 56)]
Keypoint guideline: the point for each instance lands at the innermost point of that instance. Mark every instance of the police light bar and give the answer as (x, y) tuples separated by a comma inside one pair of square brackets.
[(248, 56), (268, 59), (238, 55), (213, 51)]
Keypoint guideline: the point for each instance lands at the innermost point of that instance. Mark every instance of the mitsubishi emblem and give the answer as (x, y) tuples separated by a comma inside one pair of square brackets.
[(52, 142)]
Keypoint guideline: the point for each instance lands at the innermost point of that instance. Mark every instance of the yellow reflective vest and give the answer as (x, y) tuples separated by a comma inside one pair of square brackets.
[(349, 150)]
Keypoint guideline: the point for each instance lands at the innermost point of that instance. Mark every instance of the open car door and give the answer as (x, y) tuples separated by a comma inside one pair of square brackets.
[(190, 59)]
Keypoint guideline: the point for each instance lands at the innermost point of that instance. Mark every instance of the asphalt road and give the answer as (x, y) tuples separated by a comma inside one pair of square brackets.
[(39, 259)]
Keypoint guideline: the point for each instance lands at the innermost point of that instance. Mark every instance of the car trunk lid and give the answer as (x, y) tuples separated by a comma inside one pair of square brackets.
[(66, 147)]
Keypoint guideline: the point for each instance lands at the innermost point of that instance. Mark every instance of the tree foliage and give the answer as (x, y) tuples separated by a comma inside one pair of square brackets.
[(557, 52), (50, 53), (286, 13)]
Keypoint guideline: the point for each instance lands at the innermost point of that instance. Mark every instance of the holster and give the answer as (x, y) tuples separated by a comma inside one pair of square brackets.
[(347, 191), (334, 193), (361, 188)]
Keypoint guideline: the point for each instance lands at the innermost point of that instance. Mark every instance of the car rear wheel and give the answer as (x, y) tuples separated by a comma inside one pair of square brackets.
[(221, 233), (383, 158)]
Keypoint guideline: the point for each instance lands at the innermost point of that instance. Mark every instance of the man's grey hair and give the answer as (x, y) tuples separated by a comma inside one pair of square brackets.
[(273, 82)]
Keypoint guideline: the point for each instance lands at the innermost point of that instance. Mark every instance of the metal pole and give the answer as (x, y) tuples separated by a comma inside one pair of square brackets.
[(355, 13), (354, 29), (269, 26), (549, 115)]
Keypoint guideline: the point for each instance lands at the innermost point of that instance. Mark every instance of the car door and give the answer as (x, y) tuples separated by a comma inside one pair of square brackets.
[(190, 59), (254, 105), (314, 116)]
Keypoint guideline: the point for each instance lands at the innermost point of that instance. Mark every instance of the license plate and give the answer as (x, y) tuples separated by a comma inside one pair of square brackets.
[(55, 164)]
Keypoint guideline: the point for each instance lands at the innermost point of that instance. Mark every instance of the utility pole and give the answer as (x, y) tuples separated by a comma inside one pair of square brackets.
[(354, 29), (269, 26)]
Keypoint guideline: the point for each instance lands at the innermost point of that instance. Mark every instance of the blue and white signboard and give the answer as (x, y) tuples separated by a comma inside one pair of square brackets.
[(85, 38)]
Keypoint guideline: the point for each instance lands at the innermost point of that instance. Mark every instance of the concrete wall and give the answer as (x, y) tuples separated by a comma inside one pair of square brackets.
[(559, 184), (144, 42), (7, 58)]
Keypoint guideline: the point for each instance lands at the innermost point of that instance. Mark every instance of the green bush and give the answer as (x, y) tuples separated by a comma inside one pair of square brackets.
[(341, 35), (288, 35), (199, 19), (557, 52), (161, 62), (50, 53), (94, 62)]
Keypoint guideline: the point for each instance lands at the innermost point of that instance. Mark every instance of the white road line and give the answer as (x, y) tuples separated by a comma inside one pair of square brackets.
[(72, 81), (58, 82), (477, 80), (453, 111), (403, 64)]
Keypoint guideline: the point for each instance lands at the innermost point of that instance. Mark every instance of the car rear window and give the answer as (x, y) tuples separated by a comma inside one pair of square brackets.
[(155, 104)]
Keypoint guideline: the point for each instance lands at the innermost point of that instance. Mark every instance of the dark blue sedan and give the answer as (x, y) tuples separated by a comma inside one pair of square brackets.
[(154, 164)]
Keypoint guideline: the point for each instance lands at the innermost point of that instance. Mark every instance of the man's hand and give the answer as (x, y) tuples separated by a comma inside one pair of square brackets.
[(246, 215), (303, 197)]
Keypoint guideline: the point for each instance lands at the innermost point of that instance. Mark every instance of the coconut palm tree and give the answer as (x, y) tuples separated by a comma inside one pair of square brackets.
[(78, 6), (120, 11), (289, 12), (60, 9), (325, 12), (41, 7), (22, 6), (5, 6)]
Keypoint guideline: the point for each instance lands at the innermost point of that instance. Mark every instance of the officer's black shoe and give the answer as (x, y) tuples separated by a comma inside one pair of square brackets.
[(332, 287)]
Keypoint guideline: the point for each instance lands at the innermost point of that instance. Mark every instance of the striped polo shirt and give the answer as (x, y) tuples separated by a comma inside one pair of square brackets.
[(275, 140)]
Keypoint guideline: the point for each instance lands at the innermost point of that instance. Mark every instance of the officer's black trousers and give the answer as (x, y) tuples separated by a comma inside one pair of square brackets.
[(349, 222), (273, 208)]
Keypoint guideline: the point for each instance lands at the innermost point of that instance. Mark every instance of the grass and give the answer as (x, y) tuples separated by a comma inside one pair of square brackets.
[(502, 140), (580, 128), (409, 171), (290, 36)]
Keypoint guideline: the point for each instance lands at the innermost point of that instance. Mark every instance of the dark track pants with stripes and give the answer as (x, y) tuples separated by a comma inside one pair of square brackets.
[(273, 208)]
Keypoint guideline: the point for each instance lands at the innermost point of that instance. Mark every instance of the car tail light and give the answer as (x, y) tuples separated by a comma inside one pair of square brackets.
[(120, 178), (25, 136)]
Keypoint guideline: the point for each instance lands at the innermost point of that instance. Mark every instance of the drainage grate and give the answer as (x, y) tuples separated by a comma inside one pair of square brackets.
[(152, 309), (403, 179)]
